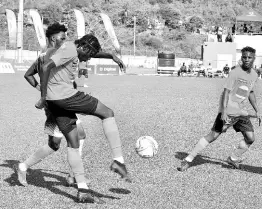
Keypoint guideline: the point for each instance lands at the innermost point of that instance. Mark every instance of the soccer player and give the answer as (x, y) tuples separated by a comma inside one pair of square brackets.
[(56, 36), (65, 102), (238, 87)]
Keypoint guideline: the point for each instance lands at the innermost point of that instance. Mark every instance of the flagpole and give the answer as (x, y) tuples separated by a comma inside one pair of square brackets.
[(20, 31)]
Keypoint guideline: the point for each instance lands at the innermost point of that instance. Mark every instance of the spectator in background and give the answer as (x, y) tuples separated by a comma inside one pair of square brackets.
[(250, 29), (226, 70), (234, 29), (190, 67), (229, 37), (219, 34), (183, 69), (245, 28), (208, 69)]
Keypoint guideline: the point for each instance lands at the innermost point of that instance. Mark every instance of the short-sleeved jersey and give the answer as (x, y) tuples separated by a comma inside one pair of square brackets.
[(240, 83), (43, 57), (60, 79)]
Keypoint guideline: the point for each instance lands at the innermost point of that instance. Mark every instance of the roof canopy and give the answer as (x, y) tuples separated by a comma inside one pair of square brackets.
[(250, 16)]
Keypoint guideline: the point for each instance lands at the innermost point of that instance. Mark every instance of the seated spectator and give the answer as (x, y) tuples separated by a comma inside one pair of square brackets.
[(229, 37), (226, 70), (245, 28), (208, 69), (234, 29), (250, 29), (183, 69), (190, 68)]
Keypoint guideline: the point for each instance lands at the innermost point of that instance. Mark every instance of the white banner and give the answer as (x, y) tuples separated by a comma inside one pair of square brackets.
[(39, 29), (110, 30), (80, 23), (12, 28)]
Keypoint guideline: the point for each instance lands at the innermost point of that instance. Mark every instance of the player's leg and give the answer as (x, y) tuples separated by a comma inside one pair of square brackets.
[(112, 134), (216, 130), (38, 156), (82, 136), (76, 164), (54, 140), (86, 104), (244, 126)]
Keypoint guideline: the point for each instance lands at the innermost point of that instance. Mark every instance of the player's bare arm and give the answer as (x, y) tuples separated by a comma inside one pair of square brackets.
[(47, 67), (225, 97), (29, 76), (105, 55), (253, 102)]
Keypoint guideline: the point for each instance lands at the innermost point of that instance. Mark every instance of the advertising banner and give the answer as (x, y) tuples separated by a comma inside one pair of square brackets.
[(39, 29), (12, 27), (107, 69), (110, 30), (80, 23)]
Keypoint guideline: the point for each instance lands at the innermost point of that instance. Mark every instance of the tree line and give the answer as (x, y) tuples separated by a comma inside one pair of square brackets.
[(165, 25)]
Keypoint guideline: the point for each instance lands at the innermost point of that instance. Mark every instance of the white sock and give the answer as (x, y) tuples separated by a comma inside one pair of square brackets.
[(202, 143), (22, 166), (82, 185), (81, 145), (119, 159)]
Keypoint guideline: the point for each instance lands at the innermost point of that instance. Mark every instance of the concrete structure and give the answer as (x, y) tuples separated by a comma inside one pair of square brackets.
[(221, 53)]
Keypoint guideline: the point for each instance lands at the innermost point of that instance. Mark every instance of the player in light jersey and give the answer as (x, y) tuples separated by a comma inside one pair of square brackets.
[(56, 36), (238, 87), (65, 102)]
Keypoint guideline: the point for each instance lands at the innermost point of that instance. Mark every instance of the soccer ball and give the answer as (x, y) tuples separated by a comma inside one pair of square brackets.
[(146, 146)]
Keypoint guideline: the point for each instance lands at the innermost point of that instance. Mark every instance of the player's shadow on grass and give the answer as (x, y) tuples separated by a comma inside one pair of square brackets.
[(37, 177), (202, 159), (120, 191)]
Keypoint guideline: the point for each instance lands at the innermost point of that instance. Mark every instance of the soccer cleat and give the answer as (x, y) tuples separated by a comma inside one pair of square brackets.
[(71, 181), (86, 196), (21, 175), (120, 169), (234, 163), (184, 165)]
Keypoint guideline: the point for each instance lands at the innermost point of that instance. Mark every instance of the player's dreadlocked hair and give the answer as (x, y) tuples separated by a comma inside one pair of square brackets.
[(54, 29), (248, 49), (89, 43)]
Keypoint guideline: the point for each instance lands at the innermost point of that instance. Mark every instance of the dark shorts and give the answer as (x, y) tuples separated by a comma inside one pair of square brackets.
[(65, 110), (240, 124)]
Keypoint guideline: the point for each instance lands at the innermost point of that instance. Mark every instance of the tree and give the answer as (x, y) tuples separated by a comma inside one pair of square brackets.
[(170, 15), (194, 23)]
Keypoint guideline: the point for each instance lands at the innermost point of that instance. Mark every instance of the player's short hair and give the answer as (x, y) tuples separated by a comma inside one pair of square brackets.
[(248, 49), (89, 43), (54, 29)]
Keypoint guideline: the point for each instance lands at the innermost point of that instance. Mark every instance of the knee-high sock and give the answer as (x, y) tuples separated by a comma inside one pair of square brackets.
[(38, 156), (112, 134), (76, 164), (81, 144), (202, 143), (242, 148)]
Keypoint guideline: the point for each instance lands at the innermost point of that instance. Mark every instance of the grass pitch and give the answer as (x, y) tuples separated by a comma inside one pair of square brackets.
[(175, 111)]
